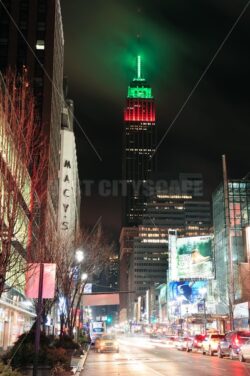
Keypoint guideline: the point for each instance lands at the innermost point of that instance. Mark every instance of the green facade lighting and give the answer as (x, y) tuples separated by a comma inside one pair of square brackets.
[(139, 92)]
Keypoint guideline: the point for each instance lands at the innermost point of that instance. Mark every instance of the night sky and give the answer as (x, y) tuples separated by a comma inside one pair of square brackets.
[(177, 39)]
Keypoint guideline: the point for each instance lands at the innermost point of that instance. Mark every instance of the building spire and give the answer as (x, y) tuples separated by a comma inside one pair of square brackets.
[(138, 67)]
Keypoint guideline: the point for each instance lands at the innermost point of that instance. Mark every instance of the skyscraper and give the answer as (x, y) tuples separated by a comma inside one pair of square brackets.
[(139, 143), (31, 36), (231, 244)]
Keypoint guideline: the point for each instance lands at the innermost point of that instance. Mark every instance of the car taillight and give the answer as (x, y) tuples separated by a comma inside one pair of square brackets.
[(237, 342)]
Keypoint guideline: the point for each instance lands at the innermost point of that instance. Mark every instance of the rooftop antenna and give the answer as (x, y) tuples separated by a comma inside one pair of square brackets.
[(138, 67)]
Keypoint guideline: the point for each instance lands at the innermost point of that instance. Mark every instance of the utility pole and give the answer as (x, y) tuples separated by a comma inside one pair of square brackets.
[(231, 287)]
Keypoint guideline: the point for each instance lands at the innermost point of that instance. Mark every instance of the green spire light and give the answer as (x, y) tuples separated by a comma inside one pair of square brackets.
[(139, 67)]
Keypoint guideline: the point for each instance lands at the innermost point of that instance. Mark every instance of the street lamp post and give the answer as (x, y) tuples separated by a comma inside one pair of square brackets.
[(84, 277), (203, 292), (81, 278), (180, 299)]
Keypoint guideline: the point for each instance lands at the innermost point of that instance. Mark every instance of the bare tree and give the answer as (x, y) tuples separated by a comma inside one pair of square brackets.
[(22, 161), (73, 275)]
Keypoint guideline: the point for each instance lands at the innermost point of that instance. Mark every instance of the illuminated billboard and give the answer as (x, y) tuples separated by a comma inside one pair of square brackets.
[(188, 291), (186, 297), (194, 258)]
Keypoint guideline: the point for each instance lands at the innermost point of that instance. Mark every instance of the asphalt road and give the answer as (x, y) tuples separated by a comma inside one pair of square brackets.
[(142, 357)]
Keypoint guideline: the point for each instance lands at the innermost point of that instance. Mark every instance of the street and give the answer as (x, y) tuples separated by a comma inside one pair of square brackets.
[(142, 357)]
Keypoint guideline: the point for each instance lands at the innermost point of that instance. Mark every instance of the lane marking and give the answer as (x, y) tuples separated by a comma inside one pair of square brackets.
[(154, 371)]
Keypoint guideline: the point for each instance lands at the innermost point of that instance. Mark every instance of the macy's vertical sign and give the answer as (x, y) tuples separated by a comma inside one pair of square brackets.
[(66, 193)]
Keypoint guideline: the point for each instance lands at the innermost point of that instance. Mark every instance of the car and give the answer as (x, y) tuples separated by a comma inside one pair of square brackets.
[(181, 343), (195, 343), (107, 343), (97, 343), (244, 351), (210, 343), (232, 343)]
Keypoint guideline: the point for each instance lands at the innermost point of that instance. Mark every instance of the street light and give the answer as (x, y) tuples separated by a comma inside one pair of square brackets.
[(75, 268), (79, 255), (84, 276), (203, 292)]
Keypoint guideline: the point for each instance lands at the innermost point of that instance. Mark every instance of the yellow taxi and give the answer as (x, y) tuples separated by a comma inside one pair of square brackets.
[(108, 343)]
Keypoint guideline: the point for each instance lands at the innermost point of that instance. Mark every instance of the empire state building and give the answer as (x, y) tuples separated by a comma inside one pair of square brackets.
[(139, 143)]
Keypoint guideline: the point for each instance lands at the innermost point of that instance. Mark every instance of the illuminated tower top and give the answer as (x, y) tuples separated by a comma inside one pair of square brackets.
[(140, 101), (139, 87)]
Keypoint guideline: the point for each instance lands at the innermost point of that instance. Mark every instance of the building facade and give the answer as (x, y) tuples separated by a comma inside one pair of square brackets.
[(126, 249), (20, 230), (69, 186), (147, 264), (31, 39), (31, 36), (180, 212), (16, 317), (232, 249)]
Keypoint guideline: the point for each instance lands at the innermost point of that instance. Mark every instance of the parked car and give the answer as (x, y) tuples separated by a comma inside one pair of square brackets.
[(232, 343), (108, 342), (181, 343), (211, 342), (244, 351), (195, 343)]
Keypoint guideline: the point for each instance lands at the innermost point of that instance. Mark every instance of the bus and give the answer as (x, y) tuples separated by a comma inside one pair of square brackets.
[(97, 329)]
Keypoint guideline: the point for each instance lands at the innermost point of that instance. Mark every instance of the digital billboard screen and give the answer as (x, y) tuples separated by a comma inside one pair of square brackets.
[(186, 297), (194, 258), (189, 291)]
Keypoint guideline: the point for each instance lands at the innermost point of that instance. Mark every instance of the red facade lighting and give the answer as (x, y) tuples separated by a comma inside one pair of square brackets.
[(140, 110)]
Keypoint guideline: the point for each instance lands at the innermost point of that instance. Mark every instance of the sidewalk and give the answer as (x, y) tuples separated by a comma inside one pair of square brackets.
[(78, 370)]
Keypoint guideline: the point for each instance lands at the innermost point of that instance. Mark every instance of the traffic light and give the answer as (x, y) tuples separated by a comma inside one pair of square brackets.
[(109, 319)]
